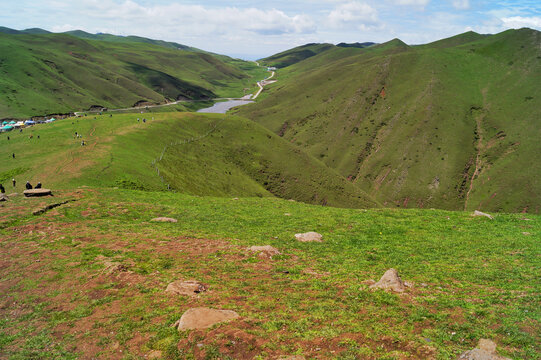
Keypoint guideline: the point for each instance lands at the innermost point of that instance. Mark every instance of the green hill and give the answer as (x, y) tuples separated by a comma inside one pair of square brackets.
[(453, 124), (58, 73), (237, 158)]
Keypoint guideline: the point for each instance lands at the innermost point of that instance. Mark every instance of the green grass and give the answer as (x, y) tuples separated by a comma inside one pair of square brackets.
[(406, 124), (472, 278)]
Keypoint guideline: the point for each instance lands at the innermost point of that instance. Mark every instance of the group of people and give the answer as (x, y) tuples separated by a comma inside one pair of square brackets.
[(14, 182), (29, 186)]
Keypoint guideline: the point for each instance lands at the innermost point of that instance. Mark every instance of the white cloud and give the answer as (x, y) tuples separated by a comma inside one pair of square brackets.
[(412, 2), (461, 4), (355, 13), (522, 21), (194, 19)]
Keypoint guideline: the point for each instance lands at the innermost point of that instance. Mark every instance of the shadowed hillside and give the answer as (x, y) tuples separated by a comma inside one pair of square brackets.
[(453, 124)]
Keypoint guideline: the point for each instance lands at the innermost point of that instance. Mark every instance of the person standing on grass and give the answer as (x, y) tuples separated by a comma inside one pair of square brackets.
[(28, 185), (14, 182), (2, 190), (38, 186), (13, 155)]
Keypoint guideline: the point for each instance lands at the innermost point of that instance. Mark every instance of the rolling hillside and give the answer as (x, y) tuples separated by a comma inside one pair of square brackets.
[(206, 155), (453, 124), (58, 73)]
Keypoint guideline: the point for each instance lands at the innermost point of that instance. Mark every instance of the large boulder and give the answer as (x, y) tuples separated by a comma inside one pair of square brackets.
[(310, 236), (390, 281), (265, 251), (203, 318), (189, 287), (37, 192), (485, 350)]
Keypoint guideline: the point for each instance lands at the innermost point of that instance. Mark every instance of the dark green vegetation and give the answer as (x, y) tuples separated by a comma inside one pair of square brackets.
[(59, 73), (454, 124)]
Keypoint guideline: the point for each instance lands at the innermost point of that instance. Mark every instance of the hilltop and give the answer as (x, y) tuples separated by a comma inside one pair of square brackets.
[(452, 124), (46, 73)]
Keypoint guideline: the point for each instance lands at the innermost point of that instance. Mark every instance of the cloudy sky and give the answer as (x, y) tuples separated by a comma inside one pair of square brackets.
[(254, 29)]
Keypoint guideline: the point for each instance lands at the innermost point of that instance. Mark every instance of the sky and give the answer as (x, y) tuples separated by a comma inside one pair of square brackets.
[(255, 29)]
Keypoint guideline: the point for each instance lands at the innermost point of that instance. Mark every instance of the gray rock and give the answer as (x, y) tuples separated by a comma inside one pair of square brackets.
[(203, 318), (37, 192), (310, 236), (188, 287), (479, 213), (390, 281), (164, 219), (266, 250), (485, 350)]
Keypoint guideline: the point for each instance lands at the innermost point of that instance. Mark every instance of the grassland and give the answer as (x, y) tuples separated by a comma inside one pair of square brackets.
[(60, 73), (470, 277), (453, 124)]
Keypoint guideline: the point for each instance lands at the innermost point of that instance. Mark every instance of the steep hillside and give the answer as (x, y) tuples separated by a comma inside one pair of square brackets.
[(205, 155), (453, 124), (57, 73)]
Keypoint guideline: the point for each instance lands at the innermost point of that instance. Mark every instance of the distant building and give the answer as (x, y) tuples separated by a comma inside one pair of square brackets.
[(271, 68)]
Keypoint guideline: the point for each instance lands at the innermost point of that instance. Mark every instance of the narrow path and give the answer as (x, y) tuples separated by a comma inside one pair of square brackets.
[(261, 84)]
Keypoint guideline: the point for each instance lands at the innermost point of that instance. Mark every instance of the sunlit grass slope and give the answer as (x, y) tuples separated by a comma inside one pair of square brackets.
[(205, 155), (453, 124)]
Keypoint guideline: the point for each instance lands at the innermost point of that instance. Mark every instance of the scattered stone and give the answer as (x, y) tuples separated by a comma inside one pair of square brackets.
[(526, 233), (189, 287), (155, 354), (390, 281), (309, 237), (37, 192), (112, 267), (287, 214), (291, 357), (164, 219), (485, 350), (235, 198), (203, 318), (479, 213), (265, 251)]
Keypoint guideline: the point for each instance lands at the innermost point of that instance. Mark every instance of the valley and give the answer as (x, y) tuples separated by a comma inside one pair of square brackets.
[(350, 161)]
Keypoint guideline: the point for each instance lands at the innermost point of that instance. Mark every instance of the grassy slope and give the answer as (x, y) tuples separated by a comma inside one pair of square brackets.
[(43, 74), (295, 55), (472, 278), (239, 158), (417, 144)]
